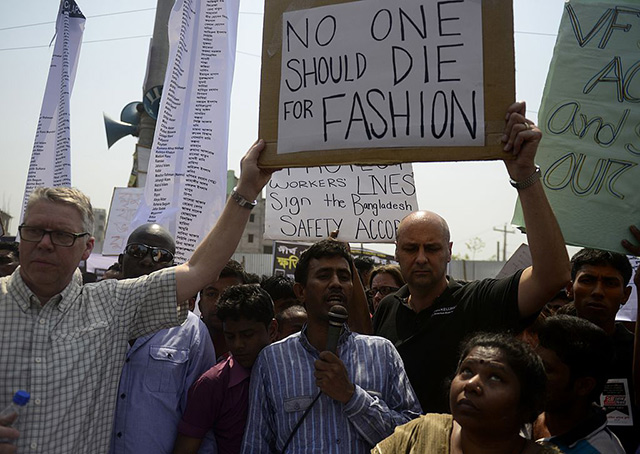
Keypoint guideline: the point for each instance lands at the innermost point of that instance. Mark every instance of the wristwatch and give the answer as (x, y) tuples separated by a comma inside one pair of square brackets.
[(244, 203)]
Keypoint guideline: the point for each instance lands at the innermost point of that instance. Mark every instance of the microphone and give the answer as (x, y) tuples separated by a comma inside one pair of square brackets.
[(337, 316)]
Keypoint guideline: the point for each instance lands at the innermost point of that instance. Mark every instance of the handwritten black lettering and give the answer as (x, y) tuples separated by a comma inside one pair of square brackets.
[(329, 30), (442, 19), (570, 171), (377, 229), (422, 29), (568, 117), (442, 62), (607, 22), (621, 80), (304, 41)]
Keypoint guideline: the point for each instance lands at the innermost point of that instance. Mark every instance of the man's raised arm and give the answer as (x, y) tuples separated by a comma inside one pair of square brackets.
[(219, 245), (550, 269)]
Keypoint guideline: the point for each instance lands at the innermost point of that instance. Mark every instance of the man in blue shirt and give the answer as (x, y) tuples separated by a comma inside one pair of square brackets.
[(354, 398), (160, 367)]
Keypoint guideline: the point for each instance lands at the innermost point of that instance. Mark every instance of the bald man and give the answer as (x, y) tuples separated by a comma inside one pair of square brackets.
[(428, 317), (161, 367)]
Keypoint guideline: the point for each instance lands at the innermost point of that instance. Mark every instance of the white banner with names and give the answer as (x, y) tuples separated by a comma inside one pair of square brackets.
[(185, 189), (50, 164)]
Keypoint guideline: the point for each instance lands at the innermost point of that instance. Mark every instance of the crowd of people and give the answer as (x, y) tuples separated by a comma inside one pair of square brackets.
[(423, 363)]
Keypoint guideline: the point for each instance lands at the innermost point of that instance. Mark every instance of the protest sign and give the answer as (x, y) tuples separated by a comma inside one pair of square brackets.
[(377, 257), (124, 206), (373, 82), (629, 310), (519, 260), (287, 254), (590, 119), (365, 203), (185, 190), (50, 164)]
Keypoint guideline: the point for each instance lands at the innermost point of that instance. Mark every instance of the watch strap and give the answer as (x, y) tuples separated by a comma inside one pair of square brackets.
[(529, 181), (244, 203)]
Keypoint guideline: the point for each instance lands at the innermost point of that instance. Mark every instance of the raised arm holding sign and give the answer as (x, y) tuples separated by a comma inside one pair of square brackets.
[(427, 318)]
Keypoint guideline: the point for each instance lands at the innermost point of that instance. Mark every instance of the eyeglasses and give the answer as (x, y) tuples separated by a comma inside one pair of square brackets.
[(383, 290), (140, 251), (58, 237)]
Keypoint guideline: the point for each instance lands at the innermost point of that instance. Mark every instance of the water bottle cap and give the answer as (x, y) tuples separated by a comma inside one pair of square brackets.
[(21, 398)]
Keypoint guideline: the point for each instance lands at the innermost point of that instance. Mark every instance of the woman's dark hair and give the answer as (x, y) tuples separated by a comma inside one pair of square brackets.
[(524, 362)]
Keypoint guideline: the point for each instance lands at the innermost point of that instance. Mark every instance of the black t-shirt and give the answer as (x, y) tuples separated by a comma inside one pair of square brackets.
[(429, 341)]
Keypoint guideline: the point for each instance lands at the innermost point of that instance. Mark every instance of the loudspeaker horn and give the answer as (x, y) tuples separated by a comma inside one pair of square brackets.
[(131, 113), (116, 130)]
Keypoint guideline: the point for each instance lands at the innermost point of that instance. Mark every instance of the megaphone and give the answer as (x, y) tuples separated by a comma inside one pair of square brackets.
[(116, 130), (131, 113)]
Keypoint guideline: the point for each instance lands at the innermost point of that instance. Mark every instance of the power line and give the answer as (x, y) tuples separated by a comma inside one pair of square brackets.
[(83, 42), (537, 33), (90, 17), (108, 39), (102, 15)]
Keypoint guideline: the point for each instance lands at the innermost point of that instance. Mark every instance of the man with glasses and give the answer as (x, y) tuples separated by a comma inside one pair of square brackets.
[(160, 367), (66, 343)]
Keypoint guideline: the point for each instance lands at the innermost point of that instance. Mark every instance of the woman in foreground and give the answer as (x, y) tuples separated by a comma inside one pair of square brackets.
[(498, 387)]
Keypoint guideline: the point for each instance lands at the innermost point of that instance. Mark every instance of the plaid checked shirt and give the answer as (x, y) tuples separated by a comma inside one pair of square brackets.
[(69, 354)]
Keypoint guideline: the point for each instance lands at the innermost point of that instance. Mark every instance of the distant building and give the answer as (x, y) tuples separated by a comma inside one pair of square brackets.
[(99, 227), (5, 222), (252, 241)]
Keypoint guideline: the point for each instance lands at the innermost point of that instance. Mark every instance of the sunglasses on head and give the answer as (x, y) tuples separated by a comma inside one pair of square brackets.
[(140, 251)]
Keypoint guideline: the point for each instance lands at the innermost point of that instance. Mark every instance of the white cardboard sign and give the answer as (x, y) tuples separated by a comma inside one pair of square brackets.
[(366, 203), (379, 74)]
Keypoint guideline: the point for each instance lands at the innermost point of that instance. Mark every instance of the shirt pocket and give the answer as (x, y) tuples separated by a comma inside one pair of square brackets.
[(77, 354), (295, 404), (166, 369), (294, 408)]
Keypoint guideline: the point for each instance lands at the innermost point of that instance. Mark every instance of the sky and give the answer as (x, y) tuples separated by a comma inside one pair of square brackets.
[(474, 197)]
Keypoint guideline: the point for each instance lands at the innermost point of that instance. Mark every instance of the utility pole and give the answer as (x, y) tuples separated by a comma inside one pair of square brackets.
[(156, 69), (504, 241)]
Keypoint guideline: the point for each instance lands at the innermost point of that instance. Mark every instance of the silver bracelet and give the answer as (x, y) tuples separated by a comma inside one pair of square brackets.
[(535, 176)]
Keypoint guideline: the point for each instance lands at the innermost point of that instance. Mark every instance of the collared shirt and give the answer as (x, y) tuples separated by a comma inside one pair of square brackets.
[(219, 401), (68, 353), (283, 386), (155, 380), (591, 436)]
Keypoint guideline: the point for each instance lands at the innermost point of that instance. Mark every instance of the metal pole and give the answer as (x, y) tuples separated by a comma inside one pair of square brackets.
[(156, 69)]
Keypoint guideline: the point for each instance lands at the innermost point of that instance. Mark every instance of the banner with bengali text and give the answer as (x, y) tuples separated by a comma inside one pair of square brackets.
[(50, 164), (185, 189)]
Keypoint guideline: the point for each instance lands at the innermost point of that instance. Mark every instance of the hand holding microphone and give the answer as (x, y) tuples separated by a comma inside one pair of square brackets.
[(331, 374), (338, 316)]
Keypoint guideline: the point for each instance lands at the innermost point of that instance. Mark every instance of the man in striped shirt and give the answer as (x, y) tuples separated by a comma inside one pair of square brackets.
[(305, 399)]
